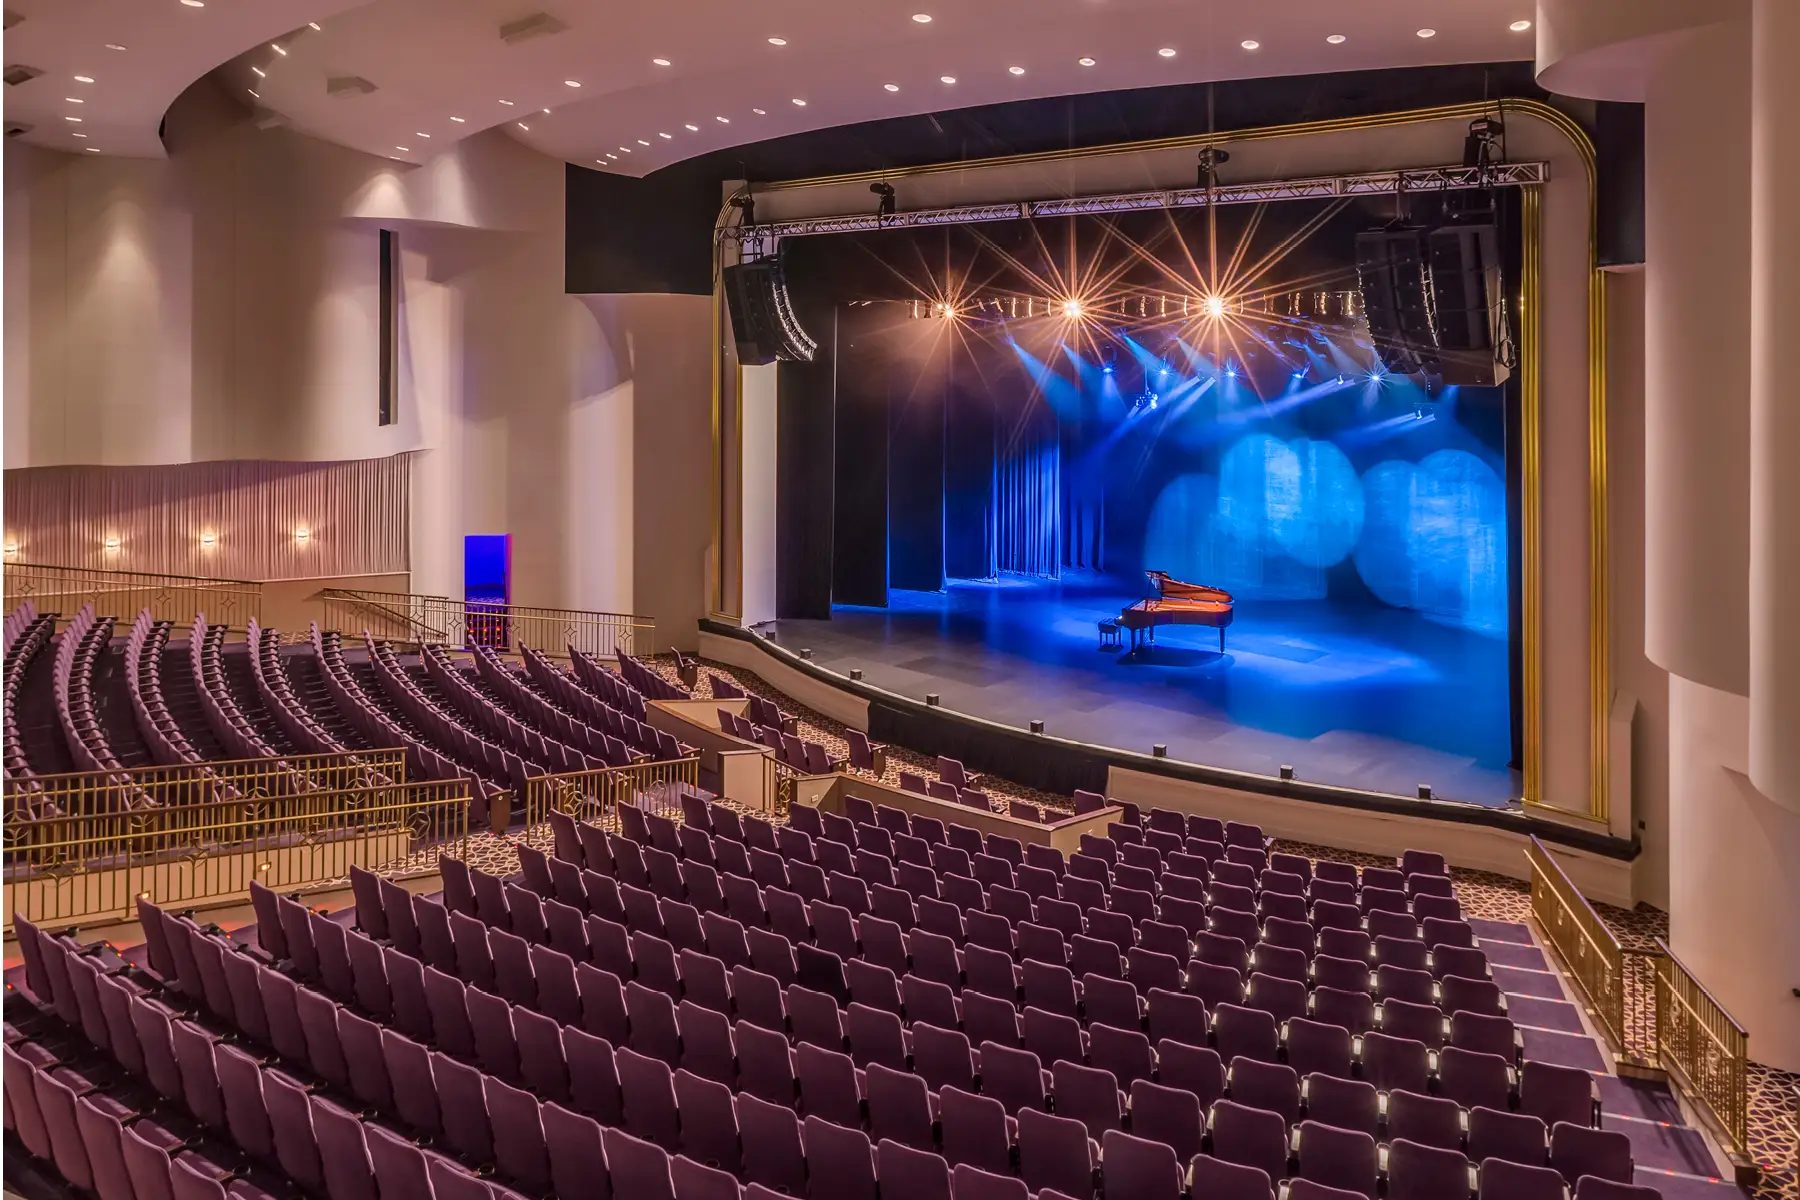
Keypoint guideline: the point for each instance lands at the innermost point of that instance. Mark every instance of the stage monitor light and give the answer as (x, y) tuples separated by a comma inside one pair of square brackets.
[(1072, 309)]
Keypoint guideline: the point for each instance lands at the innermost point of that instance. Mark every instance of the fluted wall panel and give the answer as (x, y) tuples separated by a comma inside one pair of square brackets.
[(233, 520)]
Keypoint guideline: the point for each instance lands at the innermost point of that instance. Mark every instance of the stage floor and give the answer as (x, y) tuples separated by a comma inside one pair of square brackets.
[(1374, 698)]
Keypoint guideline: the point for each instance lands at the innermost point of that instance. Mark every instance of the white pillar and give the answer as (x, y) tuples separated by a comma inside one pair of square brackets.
[(1697, 358), (1775, 415)]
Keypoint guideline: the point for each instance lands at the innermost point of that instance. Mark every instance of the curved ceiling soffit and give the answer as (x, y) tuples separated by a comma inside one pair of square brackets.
[(1605, 52), (106, 71), (585, 81)]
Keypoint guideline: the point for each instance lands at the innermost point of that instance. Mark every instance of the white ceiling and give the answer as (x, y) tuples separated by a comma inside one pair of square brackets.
[(435, 60)]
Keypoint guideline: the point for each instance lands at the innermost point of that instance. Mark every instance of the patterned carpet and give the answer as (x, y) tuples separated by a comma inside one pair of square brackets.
[(1773, 1135)]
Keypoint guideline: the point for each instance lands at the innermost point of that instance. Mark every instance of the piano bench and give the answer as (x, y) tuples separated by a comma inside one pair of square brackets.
[(1109, 636)]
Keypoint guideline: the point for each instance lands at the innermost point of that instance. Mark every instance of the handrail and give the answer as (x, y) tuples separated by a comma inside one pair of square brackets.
[(596, 795), (169, 597), (510, 628), (61, 870), (1691, 1038)]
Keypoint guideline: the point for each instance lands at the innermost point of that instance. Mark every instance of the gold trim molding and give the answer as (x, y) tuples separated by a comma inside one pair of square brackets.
[(1531, 516)]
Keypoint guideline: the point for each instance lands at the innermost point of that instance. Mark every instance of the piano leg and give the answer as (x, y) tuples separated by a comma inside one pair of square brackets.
[(1221, 639)]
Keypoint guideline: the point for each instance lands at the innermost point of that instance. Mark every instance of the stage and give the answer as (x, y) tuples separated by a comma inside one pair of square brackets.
[(1364, 696)]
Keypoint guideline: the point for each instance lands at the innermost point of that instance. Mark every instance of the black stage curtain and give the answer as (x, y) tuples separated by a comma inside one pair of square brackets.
[(1019, 756), (969, 421), (916, 470), (859, 561), (805, 461)]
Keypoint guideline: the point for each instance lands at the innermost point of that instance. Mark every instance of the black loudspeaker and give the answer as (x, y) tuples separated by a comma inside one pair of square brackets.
[(1433, 299), (1393, 270), (762, 318)]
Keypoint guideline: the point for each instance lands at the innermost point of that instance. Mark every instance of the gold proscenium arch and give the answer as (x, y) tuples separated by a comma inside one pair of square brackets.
[(1596, 810)]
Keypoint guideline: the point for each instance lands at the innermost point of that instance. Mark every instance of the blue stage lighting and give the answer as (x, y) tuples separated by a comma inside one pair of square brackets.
[(1231, 371), (1107, 369), (1319, 523), (1434, 539)]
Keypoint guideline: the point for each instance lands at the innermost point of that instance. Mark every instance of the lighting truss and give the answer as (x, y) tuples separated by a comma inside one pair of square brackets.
[(1367, 183)]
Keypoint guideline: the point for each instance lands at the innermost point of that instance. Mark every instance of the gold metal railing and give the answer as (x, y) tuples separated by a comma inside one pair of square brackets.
[(596, 795), (1587, 947), (93, 868), (124, 594), (1699, 1044), (464, 624), (1671, 1023), (779, 785)]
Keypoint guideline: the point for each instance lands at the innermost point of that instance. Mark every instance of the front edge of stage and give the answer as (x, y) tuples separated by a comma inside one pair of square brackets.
[(1468, 835)]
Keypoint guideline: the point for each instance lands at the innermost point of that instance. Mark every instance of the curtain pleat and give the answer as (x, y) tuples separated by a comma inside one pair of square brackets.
[(229, 520), (1029, 508)]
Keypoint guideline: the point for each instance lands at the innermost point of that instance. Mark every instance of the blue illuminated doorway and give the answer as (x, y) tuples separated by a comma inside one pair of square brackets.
[(487, 587)]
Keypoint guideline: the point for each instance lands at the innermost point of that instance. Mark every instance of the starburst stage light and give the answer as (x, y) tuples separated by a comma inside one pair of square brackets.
[(1072, 309)]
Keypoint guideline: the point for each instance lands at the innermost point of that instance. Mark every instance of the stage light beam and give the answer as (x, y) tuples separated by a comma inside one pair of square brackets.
[(1215, 307), (1072, 309)]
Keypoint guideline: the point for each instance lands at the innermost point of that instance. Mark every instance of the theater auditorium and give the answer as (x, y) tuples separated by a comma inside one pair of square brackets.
[(959, 600)]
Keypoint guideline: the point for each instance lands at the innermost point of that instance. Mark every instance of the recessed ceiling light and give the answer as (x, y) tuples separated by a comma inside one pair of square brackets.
[(946, 79), (723, 120), (799, 103), (114, 46), (1427, 33), (922, 18), (693, 128), (1015, 70), (260, 73), (93, 149), (525, 127), (1085, 61), (403, 149), (892, 87), (670, 136), (642, 142), (84, 79), (278, 49), (314, 26), (545, 111), (254, 92), (761, 112), (77, 120), (1250, 44), (1336, 39), (508, 103), (74, 100), (571, 83), (459, 120), (612, 156), (777, 41), (661, 62), (1167, 52), (626, 149), (81, 135), (1519, 26), (194, 3), (426, 136)]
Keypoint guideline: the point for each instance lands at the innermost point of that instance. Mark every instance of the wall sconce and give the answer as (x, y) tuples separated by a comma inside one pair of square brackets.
[(207, 539), (112, 542), (302, 533)]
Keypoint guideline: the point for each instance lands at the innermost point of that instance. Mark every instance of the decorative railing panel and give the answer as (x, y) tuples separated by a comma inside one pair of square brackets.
[(124, 594), (463, 624), (596, 795), (1699, 1044), (92, 867), (1588, 948)]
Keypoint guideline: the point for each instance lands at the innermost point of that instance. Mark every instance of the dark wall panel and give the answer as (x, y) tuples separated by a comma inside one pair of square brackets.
[(916, 477), (969, 421), (805, 465), (859, 566)]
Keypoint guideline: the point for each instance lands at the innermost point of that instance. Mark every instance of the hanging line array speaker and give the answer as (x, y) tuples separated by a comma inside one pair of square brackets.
[(762, 317), (1434, 301)]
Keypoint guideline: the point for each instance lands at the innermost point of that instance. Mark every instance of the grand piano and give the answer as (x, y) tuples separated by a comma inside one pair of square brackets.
[(1176, 603)]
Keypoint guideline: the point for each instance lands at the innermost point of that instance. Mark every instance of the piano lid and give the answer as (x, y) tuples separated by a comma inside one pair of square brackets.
[(1174, 589)]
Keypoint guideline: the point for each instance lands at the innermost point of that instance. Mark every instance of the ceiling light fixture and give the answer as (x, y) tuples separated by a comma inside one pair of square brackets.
[(1085, 61), (260, 73), (403, 149), (692, 128), (946, 79), (890, 87), (194, 3), (777, 41), (670, 136), (571, 83), (252, 91), (642, 142), (426, 136), (93, 149), (799, 103), (1336, 39), (1167, 52), (545, 111), (922, 18), (525, 127), (1426, 33), (76, 120), (81, 135), (1015, 70), (277, 49), (84, 79), (1519, 26), (508, 103), (761, 112), (661, 62), (459, 120), (1250, 44), (114, 46), (612, 156), (723, 120), (74, 100), (315, 26)]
